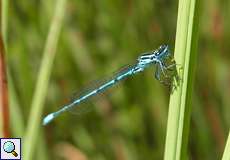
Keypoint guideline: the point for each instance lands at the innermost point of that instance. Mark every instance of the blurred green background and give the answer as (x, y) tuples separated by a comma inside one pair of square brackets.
[(97, 38)]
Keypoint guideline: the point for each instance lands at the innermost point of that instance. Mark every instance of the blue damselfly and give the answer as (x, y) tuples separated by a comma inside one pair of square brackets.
[(157, 57)]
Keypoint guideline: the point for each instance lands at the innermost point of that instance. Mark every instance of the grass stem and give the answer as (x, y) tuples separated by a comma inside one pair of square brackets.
[(179, 105), (34, 121), (226, 155), (4, 106)]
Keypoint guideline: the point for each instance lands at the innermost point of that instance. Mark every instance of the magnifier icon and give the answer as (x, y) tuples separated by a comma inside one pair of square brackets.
[(9, 147)]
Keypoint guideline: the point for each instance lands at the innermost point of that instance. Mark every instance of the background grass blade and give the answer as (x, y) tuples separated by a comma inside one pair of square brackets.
[(4, 107), (226, 155), (42, 83), (4, 21), (16, 116), (185, 56)]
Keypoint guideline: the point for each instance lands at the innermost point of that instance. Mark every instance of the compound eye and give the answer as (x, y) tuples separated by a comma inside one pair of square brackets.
[(162, 48)]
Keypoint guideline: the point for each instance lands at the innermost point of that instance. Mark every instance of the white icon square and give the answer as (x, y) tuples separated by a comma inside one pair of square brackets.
[(10, 149)]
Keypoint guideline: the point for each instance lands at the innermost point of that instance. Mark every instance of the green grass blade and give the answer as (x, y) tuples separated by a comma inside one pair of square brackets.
[(5, 4), (4, 107), (16, 116), (226, 155), (43, 80), (185, 56)]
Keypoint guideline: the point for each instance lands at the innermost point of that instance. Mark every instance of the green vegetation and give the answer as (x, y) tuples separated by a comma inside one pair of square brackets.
[(56, 47), (226, 154), (180, 100), (43, 81)]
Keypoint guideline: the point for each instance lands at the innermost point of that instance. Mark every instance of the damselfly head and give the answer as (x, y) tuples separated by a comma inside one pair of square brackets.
[(163, 46), (151, 56), (162, 50)]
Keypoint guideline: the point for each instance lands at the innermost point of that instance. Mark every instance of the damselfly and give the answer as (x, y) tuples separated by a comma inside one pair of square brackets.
[(157, 57)]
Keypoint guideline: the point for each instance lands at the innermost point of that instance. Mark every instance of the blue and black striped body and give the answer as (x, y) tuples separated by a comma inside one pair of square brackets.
[(145, 60)]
